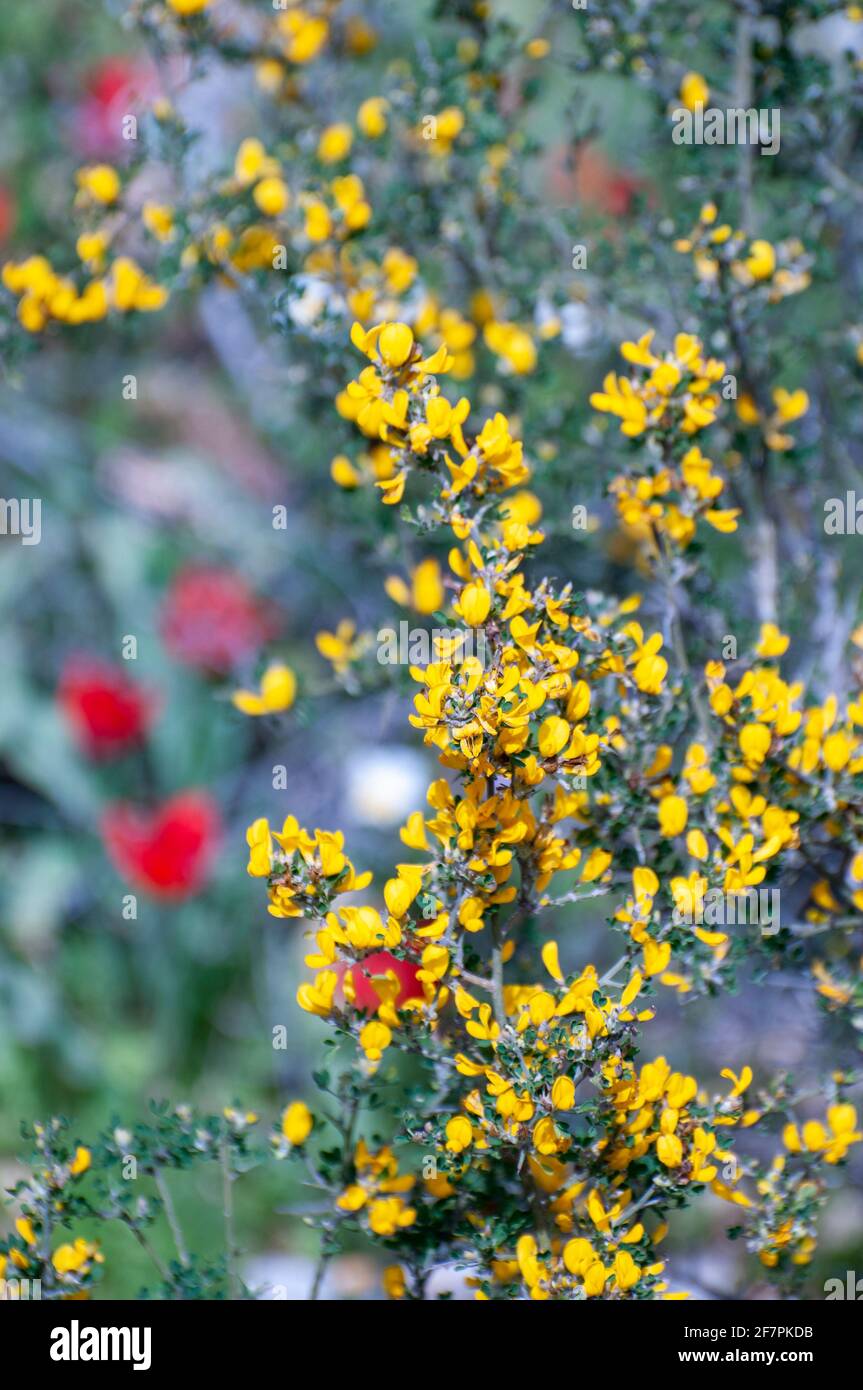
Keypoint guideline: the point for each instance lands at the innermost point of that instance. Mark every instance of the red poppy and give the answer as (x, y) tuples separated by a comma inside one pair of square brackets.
[(167, 852), (379, 963), (588, 176), (211, 619), (106, 711), (7, 213), (114, 88)]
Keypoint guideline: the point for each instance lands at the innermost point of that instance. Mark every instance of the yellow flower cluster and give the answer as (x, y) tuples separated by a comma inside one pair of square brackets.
[(677, 391), (45, 295), (303, 870), (378, 1192), (71, 1262), (831, 1142), (717, 249), (787, 406), (671, 501), (780, 1218), (507, 714), (650, 1110)]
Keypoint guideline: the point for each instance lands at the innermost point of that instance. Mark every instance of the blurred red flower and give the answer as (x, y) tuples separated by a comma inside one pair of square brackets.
[(105, 710), (378, 964), (7, 213), (211, 619), (114, 88), (167, 852), (585, 174)]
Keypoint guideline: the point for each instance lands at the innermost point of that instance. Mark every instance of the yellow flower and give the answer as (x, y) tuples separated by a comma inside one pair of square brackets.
[(24, 1227), (91, 247), (375, 1038), (101, 182), (252, 162), (563, 1093), (388, 1215), (259, 840), (694, 91), (340, 647), (578, 1256), (335, 143), (277, 693), (306, 35), (626, 1271), (449, 124), (771, 642), (741, 1082), (395, 344), (754, 740), (553, 736), (790, 405), (297, 1123), (353, 1198), (269, 75), (673, 815), (317, 998), (547, 1139), (551, 960), (342, 471), (132, 289), (669, 1150), (761, 261), (271, 196), (724, 520), (459, 1135), (657, 954), (188, 6), (512, 343), (426, 593), (474, 603), (81, 1162), (696, 844), (158, 218), (393, 1280), (399, 894), (842, 1120), (594, 1279), (834, 1145), (837, 749), (76, 1258), (595, 865), (372, 117)]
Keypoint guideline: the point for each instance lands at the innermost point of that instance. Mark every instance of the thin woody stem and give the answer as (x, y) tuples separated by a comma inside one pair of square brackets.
[(228, 1212), (172, 1218), (497, 979)]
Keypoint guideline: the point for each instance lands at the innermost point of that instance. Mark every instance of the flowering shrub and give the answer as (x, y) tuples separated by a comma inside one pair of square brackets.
[(534, 1092), (494, 1101)]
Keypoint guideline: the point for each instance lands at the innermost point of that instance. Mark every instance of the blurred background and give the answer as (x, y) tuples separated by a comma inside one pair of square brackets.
[(136, 956)]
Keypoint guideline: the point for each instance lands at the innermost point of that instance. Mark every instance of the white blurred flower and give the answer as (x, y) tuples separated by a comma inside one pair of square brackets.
[(385, 784), (576, 329)]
